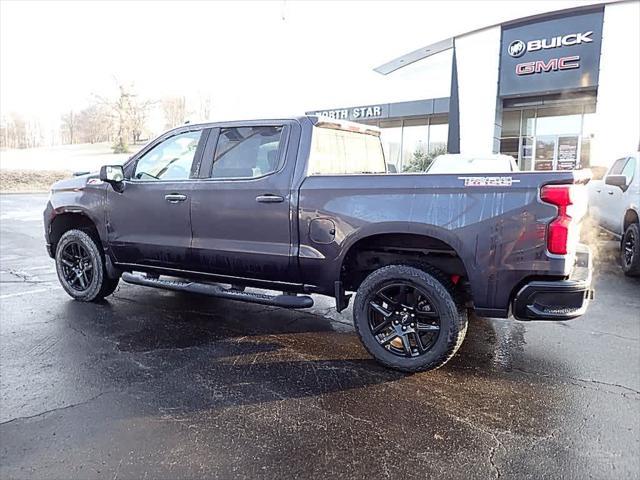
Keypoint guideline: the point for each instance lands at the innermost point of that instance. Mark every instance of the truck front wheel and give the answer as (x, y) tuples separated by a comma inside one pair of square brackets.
[(630, 250), (408, 319), (80, 267)]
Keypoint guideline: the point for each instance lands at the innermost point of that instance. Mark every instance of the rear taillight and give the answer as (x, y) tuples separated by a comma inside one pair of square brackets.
[(560, 227)]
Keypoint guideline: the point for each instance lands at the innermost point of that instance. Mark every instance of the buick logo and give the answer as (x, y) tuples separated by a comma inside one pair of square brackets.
[(517, 48)]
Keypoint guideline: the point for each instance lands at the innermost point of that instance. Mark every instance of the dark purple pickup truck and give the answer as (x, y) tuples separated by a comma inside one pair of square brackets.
[(305, 205)]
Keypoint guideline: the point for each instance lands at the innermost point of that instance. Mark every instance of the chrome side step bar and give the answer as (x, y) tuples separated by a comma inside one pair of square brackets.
[(284, 301)]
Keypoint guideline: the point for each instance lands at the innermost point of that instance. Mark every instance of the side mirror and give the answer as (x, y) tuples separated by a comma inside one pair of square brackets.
[(616, 181), (113, 174)]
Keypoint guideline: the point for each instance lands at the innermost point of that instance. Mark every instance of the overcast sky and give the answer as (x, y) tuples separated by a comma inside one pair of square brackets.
[(254, 59)]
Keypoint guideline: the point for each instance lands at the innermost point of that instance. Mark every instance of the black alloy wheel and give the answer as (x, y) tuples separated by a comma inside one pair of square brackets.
[(80, 264), (403, 319), (410, 318), (629, 246), (77, 266), (630, 250)]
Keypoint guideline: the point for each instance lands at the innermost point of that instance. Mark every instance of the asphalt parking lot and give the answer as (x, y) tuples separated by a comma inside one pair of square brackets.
[(154, 384)]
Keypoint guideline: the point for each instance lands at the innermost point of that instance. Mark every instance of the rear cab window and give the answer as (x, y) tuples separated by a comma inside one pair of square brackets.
[(342, 149)]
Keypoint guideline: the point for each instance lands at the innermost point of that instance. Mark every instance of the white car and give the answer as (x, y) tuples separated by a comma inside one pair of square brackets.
[(460, 163), (614, 203)]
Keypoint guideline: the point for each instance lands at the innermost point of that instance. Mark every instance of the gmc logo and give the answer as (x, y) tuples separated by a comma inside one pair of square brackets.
[(552, 65)]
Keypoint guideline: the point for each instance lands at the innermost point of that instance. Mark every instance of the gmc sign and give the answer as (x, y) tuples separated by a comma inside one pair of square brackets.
[(553, 65)]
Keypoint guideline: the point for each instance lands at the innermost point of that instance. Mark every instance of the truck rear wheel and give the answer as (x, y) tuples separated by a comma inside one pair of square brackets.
[(630, 250), (80, 267), (408, 319)]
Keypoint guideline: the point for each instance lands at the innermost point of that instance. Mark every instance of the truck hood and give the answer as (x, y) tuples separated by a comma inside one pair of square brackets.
[(76, 183)]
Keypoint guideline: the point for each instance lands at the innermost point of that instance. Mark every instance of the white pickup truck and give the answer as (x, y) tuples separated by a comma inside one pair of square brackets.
[(614, 202)]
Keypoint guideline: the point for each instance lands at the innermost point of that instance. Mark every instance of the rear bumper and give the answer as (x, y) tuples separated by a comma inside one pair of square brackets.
[(557, 299)]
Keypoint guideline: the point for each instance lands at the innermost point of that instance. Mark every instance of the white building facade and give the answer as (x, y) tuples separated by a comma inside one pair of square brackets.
[(556, 91)]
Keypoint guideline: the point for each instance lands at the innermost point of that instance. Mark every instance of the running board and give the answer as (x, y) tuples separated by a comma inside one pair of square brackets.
[(284, 301)]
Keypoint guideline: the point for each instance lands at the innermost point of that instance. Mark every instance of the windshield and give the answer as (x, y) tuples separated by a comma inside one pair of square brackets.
[(335, 152), (456, 164)]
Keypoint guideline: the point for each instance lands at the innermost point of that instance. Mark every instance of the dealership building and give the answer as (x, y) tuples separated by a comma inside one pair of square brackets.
[(555, 91)]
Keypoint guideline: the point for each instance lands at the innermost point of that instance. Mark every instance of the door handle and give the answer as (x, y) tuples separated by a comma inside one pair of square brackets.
[(598, 191), (610, 192), (175, 197), (269, 198)]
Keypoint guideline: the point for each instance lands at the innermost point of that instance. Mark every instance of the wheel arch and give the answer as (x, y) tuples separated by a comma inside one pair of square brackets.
[(630, 216), (375, 249), (72, 219)]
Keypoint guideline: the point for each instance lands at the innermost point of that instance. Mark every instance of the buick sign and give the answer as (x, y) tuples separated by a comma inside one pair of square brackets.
[(517, 48)]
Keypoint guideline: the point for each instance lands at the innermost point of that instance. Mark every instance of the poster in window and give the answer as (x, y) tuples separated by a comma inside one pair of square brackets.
[(545, 150), (567, 152)]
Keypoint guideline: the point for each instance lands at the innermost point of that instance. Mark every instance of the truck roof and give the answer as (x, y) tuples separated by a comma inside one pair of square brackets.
[(314, 119)]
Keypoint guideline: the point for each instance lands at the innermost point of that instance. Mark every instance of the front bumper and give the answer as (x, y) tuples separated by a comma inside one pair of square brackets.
[(557, 299)]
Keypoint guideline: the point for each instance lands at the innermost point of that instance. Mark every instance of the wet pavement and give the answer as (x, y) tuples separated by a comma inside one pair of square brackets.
[(154, 384)]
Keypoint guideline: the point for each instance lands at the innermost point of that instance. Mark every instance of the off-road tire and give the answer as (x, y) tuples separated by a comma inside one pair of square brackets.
[(100, 285), (631, 269), (453, 316)]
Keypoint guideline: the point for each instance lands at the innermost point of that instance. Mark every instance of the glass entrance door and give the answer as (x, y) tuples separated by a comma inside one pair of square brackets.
[(556, 152), (545, 152), (567, 154), (549, 138)]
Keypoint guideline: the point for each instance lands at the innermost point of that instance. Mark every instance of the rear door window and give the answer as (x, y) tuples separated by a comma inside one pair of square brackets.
[(247, 152)]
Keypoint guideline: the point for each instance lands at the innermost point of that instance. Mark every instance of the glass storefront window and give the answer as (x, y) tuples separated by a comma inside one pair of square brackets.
[(392, 142), (410, 144), (415, 141), (438, 135), (509, 146), (528, 122), (511, 124), (550, 138), (559, 121)]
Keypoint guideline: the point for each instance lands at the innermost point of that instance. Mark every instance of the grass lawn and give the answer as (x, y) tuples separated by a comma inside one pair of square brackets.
[(35, 169)]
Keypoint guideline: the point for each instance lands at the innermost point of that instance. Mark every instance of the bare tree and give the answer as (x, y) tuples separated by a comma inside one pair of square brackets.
[(94, 124), (19, 131), (138, 116), (175, 111), (204, 103), (69, 127), (129, 115)]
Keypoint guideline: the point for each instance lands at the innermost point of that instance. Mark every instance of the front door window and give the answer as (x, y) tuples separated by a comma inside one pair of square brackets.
[(170, 159)]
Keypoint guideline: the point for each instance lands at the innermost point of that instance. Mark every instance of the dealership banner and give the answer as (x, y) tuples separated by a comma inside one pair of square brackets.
[(551, 55)]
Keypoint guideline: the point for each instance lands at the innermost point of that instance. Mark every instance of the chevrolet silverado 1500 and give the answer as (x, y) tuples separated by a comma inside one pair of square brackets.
[(304, 206)]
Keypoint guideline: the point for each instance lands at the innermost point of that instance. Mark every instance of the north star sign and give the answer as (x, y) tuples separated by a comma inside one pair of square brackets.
[(373, 111), (552, 55)]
